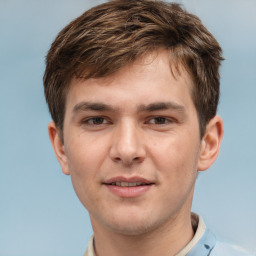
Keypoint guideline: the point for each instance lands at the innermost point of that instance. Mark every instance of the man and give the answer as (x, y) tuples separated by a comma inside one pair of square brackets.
[(133, 88)]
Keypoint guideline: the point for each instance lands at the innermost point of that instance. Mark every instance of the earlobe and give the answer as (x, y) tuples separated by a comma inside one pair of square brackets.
[(58, 147), (210, 144)]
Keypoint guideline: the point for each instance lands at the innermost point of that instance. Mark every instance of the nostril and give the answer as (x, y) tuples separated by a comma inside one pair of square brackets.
[(117, 159), (127, 161)]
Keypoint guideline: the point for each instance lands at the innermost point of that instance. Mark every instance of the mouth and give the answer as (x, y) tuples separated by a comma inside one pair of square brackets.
[(128, 187), (128, 184)]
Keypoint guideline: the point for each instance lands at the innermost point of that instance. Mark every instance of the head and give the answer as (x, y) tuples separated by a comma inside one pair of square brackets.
[(133, 87), (113, 35)]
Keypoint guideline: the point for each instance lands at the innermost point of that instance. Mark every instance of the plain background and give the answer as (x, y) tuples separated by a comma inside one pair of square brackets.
[(39, 212)]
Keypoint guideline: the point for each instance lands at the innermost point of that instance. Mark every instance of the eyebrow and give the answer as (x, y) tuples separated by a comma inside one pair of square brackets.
[(156, 106), (88, 106), (162, 106)]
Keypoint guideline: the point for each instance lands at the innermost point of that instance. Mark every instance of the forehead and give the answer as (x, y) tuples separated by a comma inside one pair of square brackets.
[(150, 78)]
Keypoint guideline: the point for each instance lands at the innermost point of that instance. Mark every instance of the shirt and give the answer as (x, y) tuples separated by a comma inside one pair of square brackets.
[(204, 243)]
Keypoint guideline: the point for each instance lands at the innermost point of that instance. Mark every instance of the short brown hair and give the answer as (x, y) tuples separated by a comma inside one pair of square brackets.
[(111, 35)]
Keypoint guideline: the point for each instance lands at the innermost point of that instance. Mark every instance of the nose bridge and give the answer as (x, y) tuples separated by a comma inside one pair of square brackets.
[(127, 144)]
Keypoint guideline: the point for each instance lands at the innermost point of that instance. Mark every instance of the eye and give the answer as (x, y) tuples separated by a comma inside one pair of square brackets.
[(159, 120), (95, 121)]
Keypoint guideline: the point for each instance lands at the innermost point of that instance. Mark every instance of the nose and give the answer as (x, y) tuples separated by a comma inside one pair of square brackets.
[(127, 145)]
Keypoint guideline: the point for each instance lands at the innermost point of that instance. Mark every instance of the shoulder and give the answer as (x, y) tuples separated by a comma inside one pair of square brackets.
[(226, 249)]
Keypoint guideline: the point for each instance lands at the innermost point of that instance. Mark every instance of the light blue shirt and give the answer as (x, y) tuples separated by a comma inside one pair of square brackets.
[(209, 246)]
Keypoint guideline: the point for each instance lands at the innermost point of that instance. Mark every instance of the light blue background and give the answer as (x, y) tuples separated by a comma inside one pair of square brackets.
[(39, 212)]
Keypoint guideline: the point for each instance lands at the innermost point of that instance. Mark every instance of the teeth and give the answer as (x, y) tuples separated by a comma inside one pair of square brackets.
[(127, 184)]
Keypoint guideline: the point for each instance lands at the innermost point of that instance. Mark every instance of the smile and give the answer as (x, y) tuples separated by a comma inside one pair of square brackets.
[(128, 184), (128, 187)]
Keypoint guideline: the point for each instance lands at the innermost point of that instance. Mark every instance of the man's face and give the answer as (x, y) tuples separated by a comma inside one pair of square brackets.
[(132, 144)]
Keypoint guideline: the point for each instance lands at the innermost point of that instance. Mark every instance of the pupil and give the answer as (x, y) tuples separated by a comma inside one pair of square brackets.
[(98, 120), (160, 120)]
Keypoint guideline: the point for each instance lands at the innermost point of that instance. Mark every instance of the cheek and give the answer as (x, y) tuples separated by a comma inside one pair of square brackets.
[(84, 161), (85, 154), (176, 156)]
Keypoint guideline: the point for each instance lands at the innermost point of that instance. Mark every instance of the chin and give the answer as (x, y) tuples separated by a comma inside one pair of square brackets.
[(134, 225), (132, 230)]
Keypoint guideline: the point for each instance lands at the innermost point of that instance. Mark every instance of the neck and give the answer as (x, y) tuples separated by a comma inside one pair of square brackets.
[(167, 240)]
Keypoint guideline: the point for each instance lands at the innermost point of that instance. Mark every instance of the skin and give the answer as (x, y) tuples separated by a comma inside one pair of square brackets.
[(116, 126)]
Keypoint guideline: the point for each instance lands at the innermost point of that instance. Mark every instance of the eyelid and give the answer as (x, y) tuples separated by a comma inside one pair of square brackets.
[(85, 121), (168, 120)]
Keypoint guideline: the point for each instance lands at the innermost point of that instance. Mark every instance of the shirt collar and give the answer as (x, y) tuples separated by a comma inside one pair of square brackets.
[(90, 248), (204, 246), (203, 241)]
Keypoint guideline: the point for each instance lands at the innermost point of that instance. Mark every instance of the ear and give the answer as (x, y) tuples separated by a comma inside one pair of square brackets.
[(58, 147), (210, 144)]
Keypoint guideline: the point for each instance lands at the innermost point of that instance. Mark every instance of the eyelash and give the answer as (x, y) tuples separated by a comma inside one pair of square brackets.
[(92, 119), (100, 120), (159, 119)]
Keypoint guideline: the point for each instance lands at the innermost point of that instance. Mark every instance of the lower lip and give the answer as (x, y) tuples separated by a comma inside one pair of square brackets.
[(128, 191)]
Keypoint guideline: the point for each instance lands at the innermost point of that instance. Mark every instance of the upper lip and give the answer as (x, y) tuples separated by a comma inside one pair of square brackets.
[(128, 179)]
